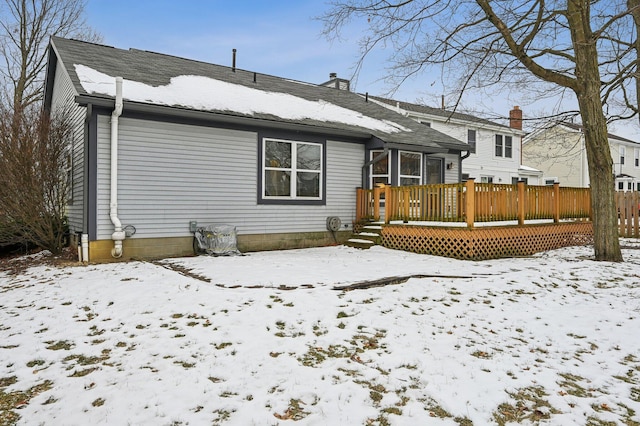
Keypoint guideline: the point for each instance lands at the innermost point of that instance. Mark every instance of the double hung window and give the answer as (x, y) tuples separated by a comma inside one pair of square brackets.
[(292, 170), (504, 146)]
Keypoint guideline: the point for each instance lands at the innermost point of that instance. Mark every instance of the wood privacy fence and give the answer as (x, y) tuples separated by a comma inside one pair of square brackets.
[(472, 202), (628, 204)]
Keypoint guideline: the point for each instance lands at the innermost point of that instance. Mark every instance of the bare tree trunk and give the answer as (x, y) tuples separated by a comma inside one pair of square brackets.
[(634, 7), (587, 89)]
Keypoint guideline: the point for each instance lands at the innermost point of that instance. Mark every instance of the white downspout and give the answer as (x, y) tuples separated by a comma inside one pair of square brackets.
[(118, 234)]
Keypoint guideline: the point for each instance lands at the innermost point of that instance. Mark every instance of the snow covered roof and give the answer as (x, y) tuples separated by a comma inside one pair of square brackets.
[(153, 79)]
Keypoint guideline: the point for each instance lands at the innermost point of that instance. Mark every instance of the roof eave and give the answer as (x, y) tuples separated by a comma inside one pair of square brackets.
[(220, 117)]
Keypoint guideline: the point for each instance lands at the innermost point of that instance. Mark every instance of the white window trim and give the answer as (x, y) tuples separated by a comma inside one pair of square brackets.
[(293, 170), (636, 159), (495, 145), (503, 148), (372, 155), (622, 153), (400, 175), (504, 144)]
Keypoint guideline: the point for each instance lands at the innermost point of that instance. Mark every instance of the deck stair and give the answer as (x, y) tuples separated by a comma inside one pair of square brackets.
[(365, 236)]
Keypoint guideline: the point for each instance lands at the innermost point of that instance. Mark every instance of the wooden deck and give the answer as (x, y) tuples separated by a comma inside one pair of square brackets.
[(484, 221)]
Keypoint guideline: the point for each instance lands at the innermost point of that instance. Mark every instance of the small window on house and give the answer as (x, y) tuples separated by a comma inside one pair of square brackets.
[(630, 186), (638, 184), (292, 170), (426, 123), (508, 146), (410, 168), (636, 160), (622, 153), (465, 177), (549, 182), (379, 171), (499, 146), (486, 179), (621, 186)]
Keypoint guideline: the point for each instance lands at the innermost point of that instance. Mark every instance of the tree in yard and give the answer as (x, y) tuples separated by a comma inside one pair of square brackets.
[(34, 183), (25, 28), (587, 47)]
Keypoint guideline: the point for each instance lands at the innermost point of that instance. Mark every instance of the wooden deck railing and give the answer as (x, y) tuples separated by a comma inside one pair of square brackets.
[(470, 202)]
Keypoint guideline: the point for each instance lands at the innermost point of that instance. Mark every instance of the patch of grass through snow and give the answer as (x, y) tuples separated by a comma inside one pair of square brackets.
[(530, 405)]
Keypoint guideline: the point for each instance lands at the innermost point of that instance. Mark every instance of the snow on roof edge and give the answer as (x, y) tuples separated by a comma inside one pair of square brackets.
[(205, 93)]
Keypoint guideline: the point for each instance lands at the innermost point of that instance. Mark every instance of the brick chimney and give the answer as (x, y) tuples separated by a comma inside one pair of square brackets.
[(515, 118)]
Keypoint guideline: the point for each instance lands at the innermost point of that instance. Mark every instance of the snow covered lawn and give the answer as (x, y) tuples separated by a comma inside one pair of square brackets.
[(265, 339)]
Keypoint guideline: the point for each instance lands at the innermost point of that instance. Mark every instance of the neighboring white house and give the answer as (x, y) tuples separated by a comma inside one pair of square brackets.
[(559, 151), (494, 153)]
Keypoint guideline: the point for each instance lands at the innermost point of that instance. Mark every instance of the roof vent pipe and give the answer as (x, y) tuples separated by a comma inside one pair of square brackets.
[(233, 61), (118, 234)]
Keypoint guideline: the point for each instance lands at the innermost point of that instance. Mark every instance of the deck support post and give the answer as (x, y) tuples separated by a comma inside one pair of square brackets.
[(470, 201), (556, 202), (376, 201), (521, 202)]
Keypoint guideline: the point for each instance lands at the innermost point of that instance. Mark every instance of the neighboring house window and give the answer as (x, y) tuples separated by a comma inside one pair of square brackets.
[(504, 146), (515, 180), (621, 186), (638, 186), (637, 157), (508, 146), (426, 123), (292, 170), (471, 139), (486, 179), (622, 152), (410, 168), (630, 186), (379, 171), (549, 182)]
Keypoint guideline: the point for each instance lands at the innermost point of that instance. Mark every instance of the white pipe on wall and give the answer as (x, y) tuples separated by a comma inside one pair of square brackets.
[(84, 245), (118, 234)]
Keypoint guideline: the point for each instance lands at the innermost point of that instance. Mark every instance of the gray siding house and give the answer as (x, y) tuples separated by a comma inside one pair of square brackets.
[(162, 142)]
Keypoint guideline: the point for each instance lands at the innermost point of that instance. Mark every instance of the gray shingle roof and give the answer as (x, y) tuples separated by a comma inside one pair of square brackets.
[(158, 69), (580, 128), (438, 112)]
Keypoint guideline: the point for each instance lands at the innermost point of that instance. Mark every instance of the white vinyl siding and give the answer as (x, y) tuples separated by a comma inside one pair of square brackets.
[(170, 174), (63, 100)]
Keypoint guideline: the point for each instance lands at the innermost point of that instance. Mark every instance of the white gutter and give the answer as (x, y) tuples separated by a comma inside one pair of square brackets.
[(118, 234)]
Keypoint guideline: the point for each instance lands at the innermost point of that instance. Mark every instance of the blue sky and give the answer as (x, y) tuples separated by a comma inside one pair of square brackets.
[(277, 37)]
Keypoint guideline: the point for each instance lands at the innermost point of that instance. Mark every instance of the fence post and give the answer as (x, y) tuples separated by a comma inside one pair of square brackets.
[(557, 201), (521, 202), (470, 201), (359, 203)]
